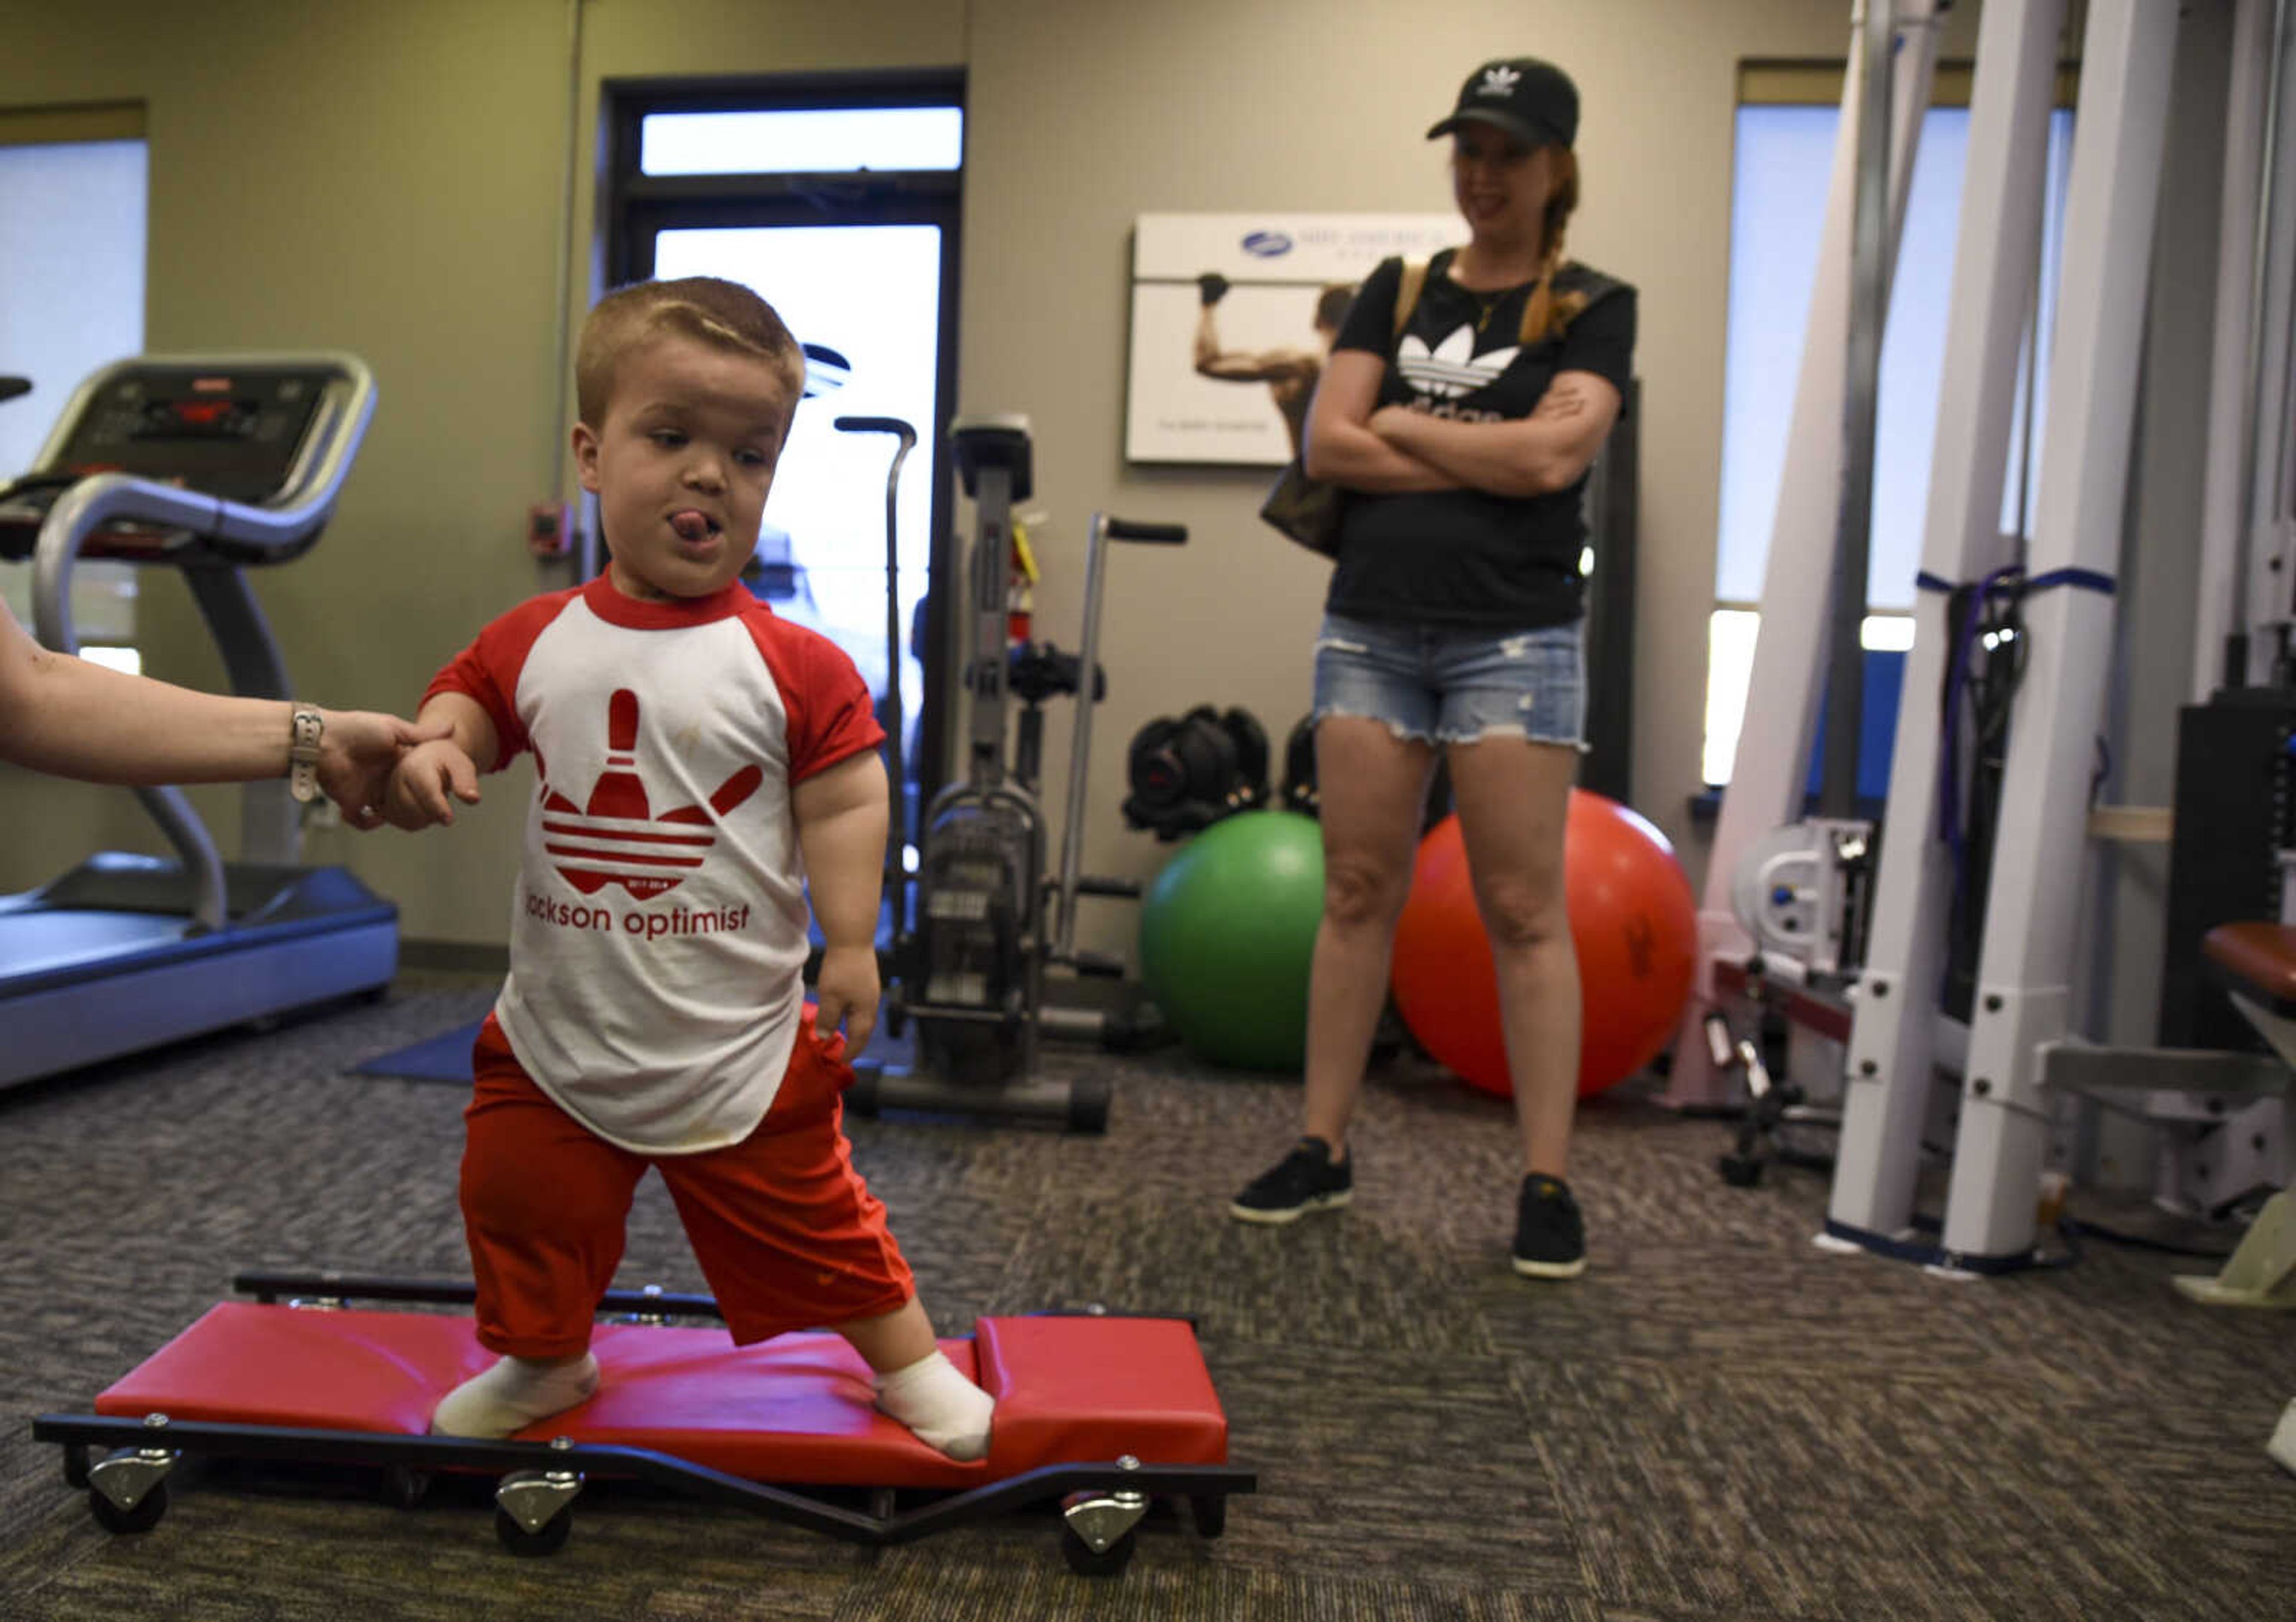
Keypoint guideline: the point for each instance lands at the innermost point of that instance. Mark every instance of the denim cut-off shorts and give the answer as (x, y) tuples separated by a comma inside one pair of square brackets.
[(1455, 685)]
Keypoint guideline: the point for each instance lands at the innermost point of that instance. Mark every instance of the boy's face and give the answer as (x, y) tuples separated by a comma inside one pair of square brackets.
[(682, 464)]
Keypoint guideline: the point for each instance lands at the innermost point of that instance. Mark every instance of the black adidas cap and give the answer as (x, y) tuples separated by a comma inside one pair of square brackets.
[(1533, 100)]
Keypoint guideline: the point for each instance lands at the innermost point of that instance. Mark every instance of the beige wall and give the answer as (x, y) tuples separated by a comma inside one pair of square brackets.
[(1084, 115), (386, 176)]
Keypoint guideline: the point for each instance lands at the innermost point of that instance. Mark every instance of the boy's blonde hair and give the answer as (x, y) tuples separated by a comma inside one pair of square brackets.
[(724, 315)]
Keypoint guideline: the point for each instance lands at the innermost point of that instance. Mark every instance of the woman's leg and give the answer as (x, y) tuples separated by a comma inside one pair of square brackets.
[(1375, 714), (1372, 787), (1513, 797)]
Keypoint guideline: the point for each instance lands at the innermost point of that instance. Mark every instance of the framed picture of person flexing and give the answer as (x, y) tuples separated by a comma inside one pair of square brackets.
[(1232, 318)]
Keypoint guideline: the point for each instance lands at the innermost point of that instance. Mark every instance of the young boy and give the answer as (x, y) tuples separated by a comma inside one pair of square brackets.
[(700, 760)]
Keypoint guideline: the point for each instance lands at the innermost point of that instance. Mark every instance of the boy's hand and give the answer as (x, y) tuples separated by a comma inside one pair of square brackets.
[(425, 783), (847, 994), (359, 751)]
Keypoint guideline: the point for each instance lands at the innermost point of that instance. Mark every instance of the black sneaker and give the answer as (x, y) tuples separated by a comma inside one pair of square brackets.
[(1303, 1180), (1550, 1241)]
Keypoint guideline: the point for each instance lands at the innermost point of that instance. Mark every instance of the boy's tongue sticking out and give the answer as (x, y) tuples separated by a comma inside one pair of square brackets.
[(691, 525)]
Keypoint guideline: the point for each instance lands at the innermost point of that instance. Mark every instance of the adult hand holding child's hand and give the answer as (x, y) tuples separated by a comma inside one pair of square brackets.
[(358, 752), (420, 786)]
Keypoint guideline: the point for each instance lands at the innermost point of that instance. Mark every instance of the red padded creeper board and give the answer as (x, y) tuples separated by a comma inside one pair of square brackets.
[(796, 1409)]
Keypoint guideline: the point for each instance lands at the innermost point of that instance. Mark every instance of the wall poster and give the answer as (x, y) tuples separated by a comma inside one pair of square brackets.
[(1232, 316)]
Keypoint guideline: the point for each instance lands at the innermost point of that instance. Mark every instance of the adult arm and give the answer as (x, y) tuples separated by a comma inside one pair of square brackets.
[(1246, 365), (842, 815), (1547, 451), (80, 719), (1342, 449)]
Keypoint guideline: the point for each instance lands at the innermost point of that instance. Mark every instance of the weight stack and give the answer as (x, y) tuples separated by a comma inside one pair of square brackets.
[(2232, 821)]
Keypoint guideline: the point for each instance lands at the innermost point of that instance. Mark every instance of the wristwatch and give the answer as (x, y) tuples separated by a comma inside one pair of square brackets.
[(303, 752)]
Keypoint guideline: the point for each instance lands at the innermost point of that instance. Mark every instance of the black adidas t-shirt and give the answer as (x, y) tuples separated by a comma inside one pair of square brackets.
[(1463, 558)]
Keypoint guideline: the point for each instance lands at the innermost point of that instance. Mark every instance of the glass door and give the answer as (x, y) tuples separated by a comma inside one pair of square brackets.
[(869, 295), (837, 197)]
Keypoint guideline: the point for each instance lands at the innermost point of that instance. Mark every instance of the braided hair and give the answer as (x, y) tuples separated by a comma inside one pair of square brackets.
[(1551, 312)]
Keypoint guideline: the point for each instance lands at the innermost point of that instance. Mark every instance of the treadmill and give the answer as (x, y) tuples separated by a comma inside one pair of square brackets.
[(212, 465)]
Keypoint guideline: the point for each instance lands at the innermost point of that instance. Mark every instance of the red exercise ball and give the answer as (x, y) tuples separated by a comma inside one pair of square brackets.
[(1632, 918)]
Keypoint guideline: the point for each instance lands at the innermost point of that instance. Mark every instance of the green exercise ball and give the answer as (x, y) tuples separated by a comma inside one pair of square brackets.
[(1227, 933)]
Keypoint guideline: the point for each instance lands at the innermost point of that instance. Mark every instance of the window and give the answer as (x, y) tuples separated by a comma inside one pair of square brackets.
[(801, 141), (837, 201), (1784, 154), (72, 193)]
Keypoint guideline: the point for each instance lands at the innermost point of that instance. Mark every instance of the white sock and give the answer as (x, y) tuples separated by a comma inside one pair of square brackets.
[(513, 1395), (946, 1410)]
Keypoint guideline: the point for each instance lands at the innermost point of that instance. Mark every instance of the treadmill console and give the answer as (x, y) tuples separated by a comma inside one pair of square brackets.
[(231, 436), (238, 433)]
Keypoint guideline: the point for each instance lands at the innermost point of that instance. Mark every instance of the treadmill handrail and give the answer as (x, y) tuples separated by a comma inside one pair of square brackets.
[(77, 514), (303, 505), (100, 498)]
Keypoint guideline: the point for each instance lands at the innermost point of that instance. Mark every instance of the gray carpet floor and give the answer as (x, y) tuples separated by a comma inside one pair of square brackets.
[(1718, 1421)]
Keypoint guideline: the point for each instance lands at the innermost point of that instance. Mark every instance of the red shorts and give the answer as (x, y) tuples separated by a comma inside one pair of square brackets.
[(787, 1234)]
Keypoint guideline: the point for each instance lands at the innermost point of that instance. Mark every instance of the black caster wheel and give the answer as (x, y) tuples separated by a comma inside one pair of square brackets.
[(76, 1462), (1086, 1561), (1741, 1171), (1089, 1106), (533, 1545), (1210, 1512), (402, 1488), (120, 1522)]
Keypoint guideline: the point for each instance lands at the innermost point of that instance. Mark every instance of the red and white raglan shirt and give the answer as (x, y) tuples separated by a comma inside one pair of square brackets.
[(659, 935)]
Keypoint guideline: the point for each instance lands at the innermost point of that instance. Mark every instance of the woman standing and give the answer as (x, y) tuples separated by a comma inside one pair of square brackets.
[(1454, 622)]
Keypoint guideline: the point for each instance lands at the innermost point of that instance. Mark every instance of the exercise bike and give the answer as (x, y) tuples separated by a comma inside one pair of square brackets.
[(970, 970)]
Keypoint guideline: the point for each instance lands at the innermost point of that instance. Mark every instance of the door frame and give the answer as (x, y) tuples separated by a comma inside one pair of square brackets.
[(635, 208)]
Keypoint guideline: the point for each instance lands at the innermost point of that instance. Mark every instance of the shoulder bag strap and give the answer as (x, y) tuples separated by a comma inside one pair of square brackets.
[(1407, 296)]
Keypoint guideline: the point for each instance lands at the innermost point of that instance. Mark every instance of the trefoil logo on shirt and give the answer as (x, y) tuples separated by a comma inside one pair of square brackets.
[(1451, 368), (616, 837)]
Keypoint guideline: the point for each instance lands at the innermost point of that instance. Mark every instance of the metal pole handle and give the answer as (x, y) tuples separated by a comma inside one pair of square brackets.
[(895, 769), (1104, 529)]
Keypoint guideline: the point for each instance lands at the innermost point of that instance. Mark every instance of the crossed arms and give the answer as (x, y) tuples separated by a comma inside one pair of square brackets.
[(1354, 442)]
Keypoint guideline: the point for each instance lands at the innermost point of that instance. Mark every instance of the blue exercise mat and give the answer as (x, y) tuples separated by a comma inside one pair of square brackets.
[(443, 1058)]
